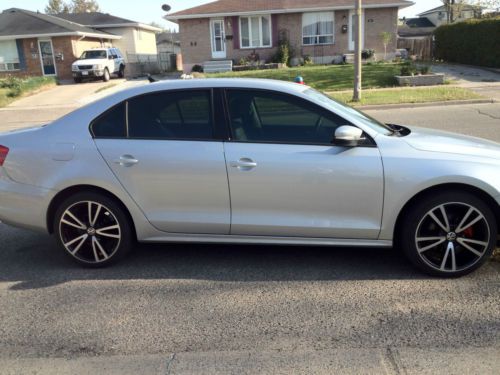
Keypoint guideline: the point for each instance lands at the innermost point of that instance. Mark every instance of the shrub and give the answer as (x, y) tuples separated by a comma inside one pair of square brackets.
[(197, 69), (307, 60), (473, 42), (425, 69), (408, 69), (367, 54)]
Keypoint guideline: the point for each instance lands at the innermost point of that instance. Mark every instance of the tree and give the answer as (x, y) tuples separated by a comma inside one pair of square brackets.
[(454, 7), (84, 6), (386, 39), (56, 6), (156, 24), (75, 6)]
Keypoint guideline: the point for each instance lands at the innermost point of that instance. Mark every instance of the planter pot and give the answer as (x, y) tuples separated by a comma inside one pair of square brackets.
[(422, 80)]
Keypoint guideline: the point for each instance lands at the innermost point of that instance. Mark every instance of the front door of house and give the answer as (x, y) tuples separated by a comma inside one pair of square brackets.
[(218, 39), (47, 57), (352, 30)]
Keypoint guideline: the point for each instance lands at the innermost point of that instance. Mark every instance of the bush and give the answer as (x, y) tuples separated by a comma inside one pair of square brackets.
[(473, 42), (307, 60), (197, 69), (367, 54), (408, 69)]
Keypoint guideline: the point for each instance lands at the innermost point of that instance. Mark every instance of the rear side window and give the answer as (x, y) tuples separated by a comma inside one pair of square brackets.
[(111, 124), (171, 115)]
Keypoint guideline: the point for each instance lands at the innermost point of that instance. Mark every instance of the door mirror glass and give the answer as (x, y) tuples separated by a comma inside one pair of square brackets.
[(348, 136)]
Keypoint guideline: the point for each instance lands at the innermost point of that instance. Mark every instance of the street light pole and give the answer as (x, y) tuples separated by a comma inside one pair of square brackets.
[(357, 54)]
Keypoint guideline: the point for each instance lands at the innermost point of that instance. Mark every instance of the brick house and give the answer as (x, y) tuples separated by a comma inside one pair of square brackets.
[(38, 44), (321, 29)]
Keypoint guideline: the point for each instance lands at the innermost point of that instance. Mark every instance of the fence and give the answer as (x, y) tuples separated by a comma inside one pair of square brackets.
[(140, 65), (418, 46)]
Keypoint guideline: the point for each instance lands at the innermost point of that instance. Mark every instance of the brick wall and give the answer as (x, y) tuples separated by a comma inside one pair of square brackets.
[(196, 48)]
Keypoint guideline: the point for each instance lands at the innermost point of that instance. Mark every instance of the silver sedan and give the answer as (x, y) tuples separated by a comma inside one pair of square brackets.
[(250, 161)]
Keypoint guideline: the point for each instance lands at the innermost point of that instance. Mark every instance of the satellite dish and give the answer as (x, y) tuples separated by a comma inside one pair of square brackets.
[(166, 7)]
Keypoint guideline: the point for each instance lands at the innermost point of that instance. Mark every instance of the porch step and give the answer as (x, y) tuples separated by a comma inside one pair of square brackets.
[(218, 66)]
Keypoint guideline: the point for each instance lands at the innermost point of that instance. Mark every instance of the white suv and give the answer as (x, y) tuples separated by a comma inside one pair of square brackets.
[(99, 63)]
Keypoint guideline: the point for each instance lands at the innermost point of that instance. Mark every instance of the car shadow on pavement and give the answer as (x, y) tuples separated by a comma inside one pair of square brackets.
[(32, 260)]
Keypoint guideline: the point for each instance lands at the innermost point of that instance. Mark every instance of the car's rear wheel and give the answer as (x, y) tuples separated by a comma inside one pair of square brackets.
[(106, 75), (121, 72), (93, 229), (449, 234)]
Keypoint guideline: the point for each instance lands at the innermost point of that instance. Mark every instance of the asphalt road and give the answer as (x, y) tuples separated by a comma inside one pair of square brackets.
[(172, 309)]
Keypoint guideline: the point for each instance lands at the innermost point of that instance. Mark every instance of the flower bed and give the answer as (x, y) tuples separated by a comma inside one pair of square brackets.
[(421, 80)]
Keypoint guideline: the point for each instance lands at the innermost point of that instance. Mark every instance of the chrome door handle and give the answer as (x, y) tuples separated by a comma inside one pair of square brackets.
[(126, 161), (244, 164)]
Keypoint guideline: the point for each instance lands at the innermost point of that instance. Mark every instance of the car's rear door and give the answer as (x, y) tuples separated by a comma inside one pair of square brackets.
[(286, 177), (168, 159)]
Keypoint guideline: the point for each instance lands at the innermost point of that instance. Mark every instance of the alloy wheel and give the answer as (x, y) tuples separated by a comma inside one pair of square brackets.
[(452, 237), (90, 232)]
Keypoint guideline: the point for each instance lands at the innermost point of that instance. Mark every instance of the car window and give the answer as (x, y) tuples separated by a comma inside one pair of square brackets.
[(171, 115), (93, 54), (264, 116), (111, 124)]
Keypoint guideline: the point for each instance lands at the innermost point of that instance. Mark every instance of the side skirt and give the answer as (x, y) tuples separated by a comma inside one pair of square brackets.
[(267, 240)]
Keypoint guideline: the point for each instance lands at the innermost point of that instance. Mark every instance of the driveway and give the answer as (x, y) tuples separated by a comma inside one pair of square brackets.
[(184, 309), (53, 103), (482, 81)]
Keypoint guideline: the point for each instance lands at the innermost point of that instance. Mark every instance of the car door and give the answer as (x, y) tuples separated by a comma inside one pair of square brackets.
[(161, 147), (286, 177)]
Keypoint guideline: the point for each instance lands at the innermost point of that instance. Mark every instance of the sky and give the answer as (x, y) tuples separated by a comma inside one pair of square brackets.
[(147, 11)]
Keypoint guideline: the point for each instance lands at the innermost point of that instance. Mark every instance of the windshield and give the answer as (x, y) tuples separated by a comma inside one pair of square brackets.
[(340, 108), (87, 55)]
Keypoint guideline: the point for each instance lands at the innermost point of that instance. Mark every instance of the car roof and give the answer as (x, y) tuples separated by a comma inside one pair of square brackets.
[(244, 83)]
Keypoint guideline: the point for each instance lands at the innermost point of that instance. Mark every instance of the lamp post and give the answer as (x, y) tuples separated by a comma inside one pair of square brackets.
[(357, 54)]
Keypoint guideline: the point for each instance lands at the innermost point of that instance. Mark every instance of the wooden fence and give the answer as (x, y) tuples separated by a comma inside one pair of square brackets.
[(420, 47)]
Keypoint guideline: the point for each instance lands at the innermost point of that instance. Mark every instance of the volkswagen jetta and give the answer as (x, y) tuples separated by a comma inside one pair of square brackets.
[(250, 161)]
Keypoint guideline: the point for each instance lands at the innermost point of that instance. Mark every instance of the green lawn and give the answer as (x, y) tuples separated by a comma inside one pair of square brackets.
[(12, 88), (326, 77), (407, 95)]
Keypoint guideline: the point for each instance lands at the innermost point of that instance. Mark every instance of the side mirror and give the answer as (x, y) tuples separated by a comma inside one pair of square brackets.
[(347, 135), (110, 57)]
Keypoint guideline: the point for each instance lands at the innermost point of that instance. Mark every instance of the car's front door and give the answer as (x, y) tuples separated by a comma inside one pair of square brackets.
[(287, 179), (166, 157)]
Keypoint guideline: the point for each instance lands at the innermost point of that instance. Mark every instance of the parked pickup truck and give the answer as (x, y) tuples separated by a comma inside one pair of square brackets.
[(99, 63)]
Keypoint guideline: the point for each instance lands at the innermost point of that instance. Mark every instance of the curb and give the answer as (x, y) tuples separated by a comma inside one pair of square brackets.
[(428, 104)]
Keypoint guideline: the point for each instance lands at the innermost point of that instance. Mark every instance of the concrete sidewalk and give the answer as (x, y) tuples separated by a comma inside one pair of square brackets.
[(346, 361)]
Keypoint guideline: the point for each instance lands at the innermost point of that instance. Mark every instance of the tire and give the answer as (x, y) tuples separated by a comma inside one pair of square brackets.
[(93, 241), (121, 72), (78, 80), (106, 77), (449, 234)]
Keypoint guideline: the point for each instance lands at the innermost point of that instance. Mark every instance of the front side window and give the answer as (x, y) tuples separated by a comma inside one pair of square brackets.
[(318, 28), (9, 58), (255, 31), (171, 115), (264, 116)]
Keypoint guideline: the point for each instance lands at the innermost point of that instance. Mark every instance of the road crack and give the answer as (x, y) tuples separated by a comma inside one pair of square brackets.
[(487, 115), (393, 357), (170, 364)]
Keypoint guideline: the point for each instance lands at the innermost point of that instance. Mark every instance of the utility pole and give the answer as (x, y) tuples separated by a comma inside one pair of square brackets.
[(357, 53)]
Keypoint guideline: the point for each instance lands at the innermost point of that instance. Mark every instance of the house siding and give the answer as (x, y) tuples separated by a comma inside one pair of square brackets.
[(196, 46)]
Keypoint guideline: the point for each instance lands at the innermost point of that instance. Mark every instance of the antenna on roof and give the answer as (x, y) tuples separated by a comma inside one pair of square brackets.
[(166, 7)]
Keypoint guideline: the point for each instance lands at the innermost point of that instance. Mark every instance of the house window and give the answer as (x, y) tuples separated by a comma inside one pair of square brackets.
[(9, 58), (317, 28), (255, 32)]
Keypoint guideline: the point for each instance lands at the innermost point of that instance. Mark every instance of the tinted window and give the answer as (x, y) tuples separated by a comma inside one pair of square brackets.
[(261, 116), (111, 124), (171, 115)]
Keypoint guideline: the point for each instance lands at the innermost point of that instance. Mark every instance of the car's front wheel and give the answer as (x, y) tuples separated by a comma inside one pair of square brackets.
[(106, 77), (449, 234), (93, 229)]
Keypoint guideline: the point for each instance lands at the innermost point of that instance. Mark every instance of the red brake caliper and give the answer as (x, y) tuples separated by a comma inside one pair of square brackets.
[(469, 232)]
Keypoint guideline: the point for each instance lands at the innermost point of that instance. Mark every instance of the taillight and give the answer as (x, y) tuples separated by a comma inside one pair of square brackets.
[(3, 154)]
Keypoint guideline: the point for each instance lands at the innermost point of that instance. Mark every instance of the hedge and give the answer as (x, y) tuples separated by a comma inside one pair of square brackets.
[(474, 42)]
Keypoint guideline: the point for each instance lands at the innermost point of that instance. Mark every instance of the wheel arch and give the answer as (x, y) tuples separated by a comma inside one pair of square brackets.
[(484, 196), (67, 192)]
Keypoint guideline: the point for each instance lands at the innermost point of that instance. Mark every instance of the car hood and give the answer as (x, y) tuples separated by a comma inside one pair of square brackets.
[(445, 142), (90, 62)]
